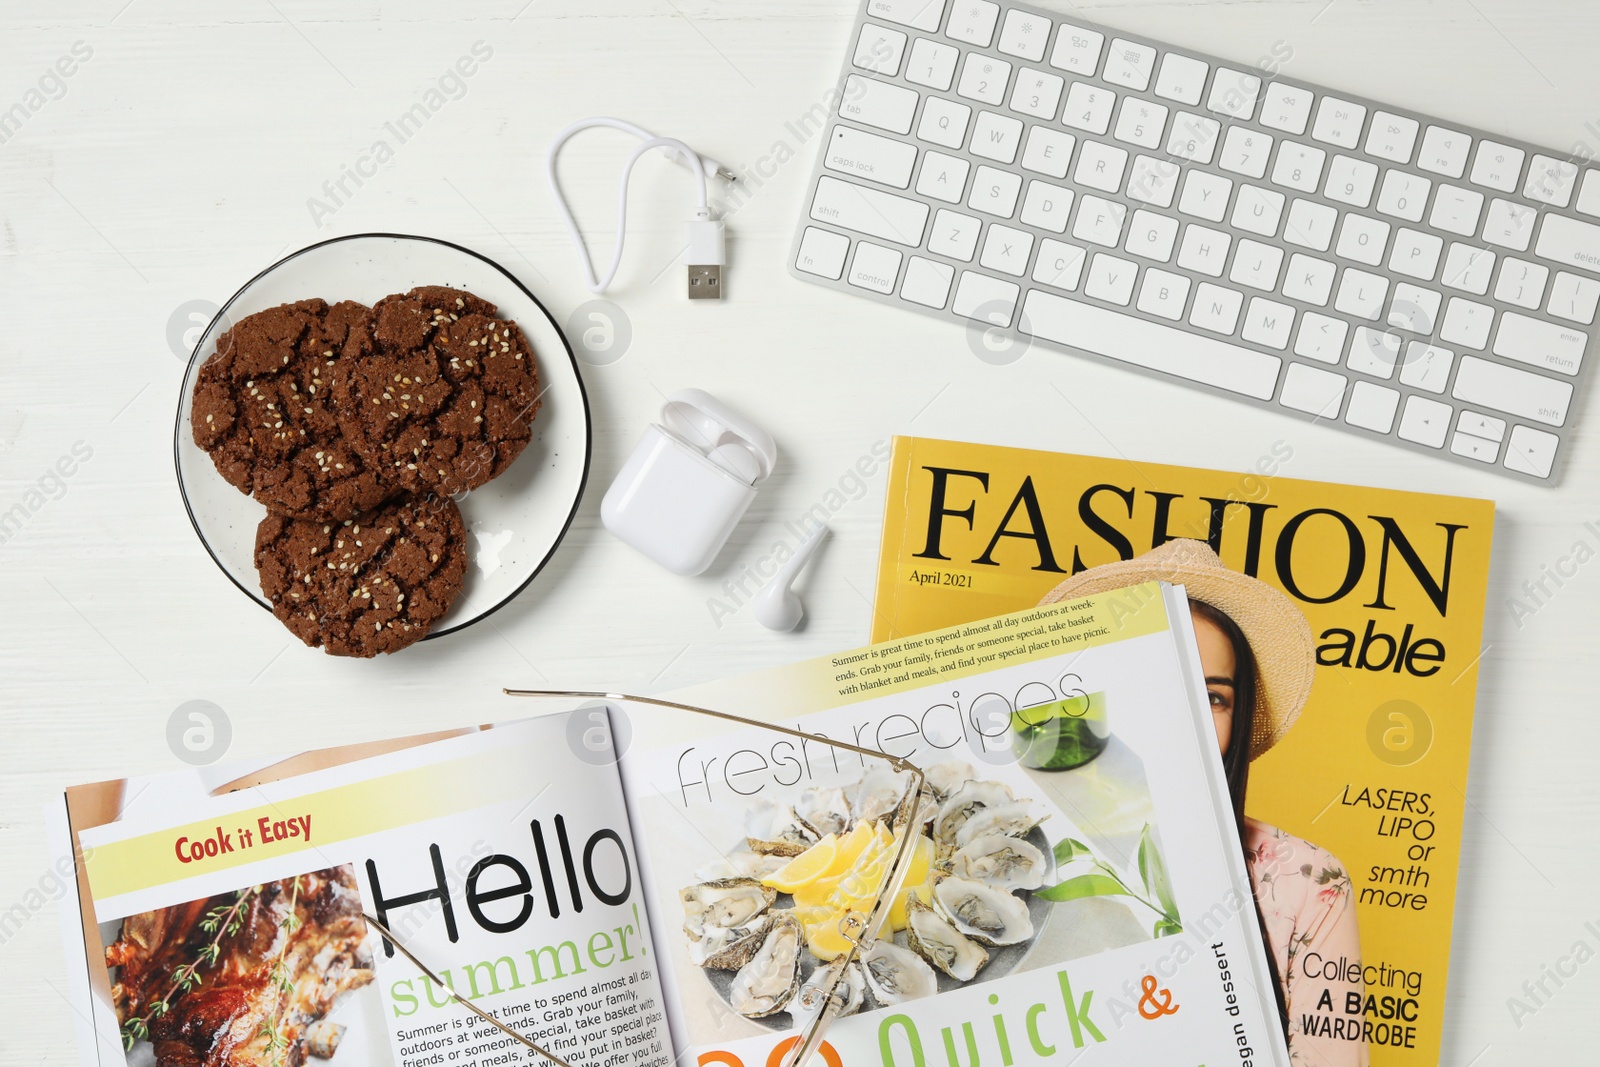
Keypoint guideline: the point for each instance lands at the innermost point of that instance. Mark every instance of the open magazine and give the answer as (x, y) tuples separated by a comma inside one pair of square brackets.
[(628, 886)]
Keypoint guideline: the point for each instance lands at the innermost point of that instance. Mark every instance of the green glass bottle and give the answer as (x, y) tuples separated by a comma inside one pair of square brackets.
[(1062, 734)]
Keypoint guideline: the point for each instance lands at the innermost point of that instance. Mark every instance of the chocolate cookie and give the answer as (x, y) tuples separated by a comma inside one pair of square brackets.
[(265, 411), (366, 585), (445, 401)]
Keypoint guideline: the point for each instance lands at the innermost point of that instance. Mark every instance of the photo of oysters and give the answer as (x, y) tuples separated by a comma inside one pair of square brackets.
[(763, 924)]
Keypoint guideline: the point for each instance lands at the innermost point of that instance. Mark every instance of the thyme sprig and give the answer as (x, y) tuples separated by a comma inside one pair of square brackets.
[(222, 921)]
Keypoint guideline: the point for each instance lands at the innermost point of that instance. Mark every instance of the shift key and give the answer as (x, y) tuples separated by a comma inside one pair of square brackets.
[(882, 215), (1516, 392)]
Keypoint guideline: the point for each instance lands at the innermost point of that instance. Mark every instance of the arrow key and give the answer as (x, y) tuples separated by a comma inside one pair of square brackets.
[(1531, 451), (1425, 421)]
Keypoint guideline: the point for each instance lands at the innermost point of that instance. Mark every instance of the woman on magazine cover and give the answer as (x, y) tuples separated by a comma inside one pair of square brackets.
[(1258, 657)]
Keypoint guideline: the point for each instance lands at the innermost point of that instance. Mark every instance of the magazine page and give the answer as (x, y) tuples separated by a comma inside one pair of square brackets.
[(1374, 597), (1077, 890), (230, 920)]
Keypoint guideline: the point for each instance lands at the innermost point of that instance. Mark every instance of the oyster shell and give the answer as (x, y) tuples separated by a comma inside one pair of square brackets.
[(879, 792), (725, 920), (965, 802), (988, 915), (777, 830), (852, 993), (741, 864), (942, 779), (1008, 863), (935, 938), (1015, 819), (827, 811), (766, 984), (896, 974)]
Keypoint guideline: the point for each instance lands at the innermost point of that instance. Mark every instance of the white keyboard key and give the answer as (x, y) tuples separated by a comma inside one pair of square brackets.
[(1181, 78), (1425, 421), (1286, 107), (1321, 338), (927, 282), (1374, 352), (1456, 210), (875, 103), (1258, 210), (1169, 349), (1372, 407), (932, 64), (1048, 151), (874, 267), (1339, 122), (1426, 367), (1269, 323), (1471, 447), (1193, 137), (1257, 265), (1205, 195), (994, 192), (1310, 225), (1546, 345), (1216, 308), (1037, 93), (1515, 392), (1589, 193), (918, 14), (996, 137), (1077, 50), (973, 21), (1416, 254), (1362, 295), (1024, 35), (1110, 279), (1444, 152), (1299, 166), (1099, 221), (985, 299), (1415, 309), (1151, 236), (822, 253), (1550, 181), (1316, 392), (1129, 64), (1006, 250), (1088, 108), (1204, 250), (1141, 123), (1522, 283), (1391, 137), (954, 235), (1466, 323), (1059, 264), (1153, 181), (869, 211), (1570, 243), (1100, 166), (1497, 166), (1509, 225), (1574, 298), (1163, 293), (1405, 196), (1244, 151), (1531, 451), (1047, 207), (983, 78), (1309, 279), (880, 49), (943, 177), (1468, 268), (944, 122), (1478, 425), (866, 155), (1351, 181), (1363, 239), (1234, 94)]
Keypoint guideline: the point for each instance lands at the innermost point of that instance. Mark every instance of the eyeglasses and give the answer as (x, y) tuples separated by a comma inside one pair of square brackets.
[(868, 888)]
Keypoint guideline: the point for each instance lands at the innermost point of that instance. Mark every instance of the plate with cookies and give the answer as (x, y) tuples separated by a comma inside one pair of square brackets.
[(382, 439)]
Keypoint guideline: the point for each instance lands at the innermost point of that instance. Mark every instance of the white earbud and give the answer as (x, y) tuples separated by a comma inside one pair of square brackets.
[(777, 606)]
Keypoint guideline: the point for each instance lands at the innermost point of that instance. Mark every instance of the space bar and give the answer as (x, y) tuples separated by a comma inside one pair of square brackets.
[(1149, 344)]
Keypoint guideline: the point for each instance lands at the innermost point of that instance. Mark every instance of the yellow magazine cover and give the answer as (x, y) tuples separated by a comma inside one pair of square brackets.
[(1351, 620)]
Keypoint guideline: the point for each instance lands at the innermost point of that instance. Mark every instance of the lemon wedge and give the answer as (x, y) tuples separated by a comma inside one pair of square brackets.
[(806, 868)]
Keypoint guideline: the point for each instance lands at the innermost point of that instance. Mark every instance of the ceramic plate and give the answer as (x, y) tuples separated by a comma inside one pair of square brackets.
[(515, 521)]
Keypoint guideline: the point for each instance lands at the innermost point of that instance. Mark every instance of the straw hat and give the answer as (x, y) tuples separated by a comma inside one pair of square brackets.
[(1276, 629)]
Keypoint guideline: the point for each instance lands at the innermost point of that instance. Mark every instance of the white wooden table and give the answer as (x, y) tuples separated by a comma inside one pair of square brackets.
[(184, 153)]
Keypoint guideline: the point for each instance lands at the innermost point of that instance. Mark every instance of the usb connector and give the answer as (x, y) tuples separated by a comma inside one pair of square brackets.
[(706, 257)]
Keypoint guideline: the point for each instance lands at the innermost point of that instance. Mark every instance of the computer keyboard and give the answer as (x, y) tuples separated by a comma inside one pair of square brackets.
[(1317, 253)]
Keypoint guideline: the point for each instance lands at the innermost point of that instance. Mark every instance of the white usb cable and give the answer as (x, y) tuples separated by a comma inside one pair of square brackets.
[(707, 253)]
